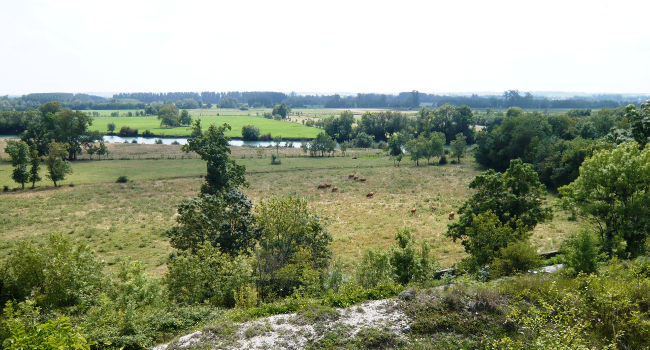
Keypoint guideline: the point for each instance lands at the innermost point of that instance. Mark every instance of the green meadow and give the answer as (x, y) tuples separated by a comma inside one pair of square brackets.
[(285, 129)]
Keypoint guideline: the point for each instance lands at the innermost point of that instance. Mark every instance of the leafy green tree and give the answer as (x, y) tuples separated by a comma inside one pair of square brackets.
[(57, 166), (395, 144), (19, 154), (281, 109), (223, 173), (613, 190), (111, 127), (222, 219), (102, 150), (35, 167), (250, 132), (339, 128), (185, 118), (581, 253), (504, 208), (323, 143), (277, 140), (435, 145), (639, 119), (168, 115), (294, 248), (363, 140), (54, 334), (458, 146)]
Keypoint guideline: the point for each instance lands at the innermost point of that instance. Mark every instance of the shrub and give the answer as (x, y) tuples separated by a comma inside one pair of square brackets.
[(410, 264), (266, 137), (443, 160), (127, 131), (294, 248), (250, 132), (5, 188), (58, 274), (25, 333), (122, 179), (516, 257), (581, 253), (275, 160), (148, 133), (158, 141), (374, 268), (208, 275)]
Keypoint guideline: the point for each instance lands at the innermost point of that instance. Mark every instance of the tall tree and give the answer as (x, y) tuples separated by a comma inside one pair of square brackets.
[(35, 167), (19, 153), (613, 190), (458, 146), (57, 166), (168, 115), (223, 173)]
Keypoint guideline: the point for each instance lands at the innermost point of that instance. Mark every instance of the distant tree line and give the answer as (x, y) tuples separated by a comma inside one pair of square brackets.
[(268, 99)]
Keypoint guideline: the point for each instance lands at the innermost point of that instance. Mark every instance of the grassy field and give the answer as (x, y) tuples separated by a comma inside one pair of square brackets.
[(275, 127), (130, 219)]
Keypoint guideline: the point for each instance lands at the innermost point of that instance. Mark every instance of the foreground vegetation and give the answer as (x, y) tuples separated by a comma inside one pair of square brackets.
[(238, 249)]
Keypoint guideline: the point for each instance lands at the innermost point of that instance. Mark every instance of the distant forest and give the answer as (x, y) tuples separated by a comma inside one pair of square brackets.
[(255, 99)]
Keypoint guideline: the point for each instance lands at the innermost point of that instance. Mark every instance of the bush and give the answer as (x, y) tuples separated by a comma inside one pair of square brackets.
[(250, 133), (581, 253), (158, 141), (122, 179), (5, 188), (443, 160), (127, 131), (294, 251), (23, 332), (58, 274), (516, 257), (148, 133), (275, 160), (207, 276), (410, 264), (266, 137), (374, 268)]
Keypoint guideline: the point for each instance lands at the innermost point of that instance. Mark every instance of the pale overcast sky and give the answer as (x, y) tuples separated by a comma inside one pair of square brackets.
[(324, 46)]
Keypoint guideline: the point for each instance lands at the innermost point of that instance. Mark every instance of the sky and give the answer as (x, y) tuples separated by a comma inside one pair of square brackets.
[(324, 46)]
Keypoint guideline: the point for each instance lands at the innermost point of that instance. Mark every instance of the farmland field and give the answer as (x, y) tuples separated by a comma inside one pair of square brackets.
[(129, 220), (285, 129)]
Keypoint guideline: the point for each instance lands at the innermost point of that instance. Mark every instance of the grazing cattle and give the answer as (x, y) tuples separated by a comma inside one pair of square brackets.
[(321, 186), (362, 179), (356, 177), (451, 215), (412, 211), (370, 194), (434, 208), (328, 185), (334, 189), (350, 176)]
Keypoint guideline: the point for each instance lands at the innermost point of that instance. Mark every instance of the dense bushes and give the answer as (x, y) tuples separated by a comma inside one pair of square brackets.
[(127, 131), (208, 275), (250, 133), (59, 274), (402, 264)]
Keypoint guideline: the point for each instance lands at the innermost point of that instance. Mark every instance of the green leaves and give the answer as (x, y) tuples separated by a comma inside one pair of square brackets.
[(613, 189)]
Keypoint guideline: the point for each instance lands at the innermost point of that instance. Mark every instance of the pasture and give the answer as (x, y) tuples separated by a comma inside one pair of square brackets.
[(129, 220), (285, 129)]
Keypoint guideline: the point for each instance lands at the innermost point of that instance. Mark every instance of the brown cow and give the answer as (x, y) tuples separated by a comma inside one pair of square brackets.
[(362, 179), (328, 185), (321, 186), (370, 194), (434, 208), (356, 177), (451, 215), (412, 211), (350, 176), (334, 189)]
